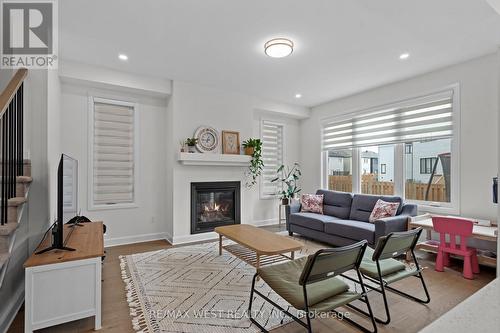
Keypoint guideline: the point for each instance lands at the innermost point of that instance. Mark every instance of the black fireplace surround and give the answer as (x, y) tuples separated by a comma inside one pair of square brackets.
[(214, 204)]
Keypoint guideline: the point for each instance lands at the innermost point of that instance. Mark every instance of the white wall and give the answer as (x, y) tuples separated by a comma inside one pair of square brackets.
[(195, 105), (5, 75), (53, 136), (478, 80), (147, 221)]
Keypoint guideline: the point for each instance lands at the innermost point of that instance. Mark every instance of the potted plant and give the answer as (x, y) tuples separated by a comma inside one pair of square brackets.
[(250, 145), (288, 178), (253, 147), (191, 143)]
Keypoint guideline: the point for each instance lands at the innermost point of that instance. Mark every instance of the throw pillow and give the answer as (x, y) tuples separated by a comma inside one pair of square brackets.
[(312, 203), (383, 209)]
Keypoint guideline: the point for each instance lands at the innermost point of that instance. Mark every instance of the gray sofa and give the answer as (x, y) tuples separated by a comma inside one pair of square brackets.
[(345, 219)]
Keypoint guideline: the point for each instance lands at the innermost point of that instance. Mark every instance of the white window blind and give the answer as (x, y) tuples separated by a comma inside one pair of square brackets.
[(272, 156), (113, 154), (419, 119)]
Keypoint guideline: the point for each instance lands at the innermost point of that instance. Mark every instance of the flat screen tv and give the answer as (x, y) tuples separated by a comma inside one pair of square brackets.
[(67, 202)]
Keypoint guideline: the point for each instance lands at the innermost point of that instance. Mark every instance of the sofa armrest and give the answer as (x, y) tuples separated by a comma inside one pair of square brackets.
[(293, 207), (409, 209), (387, 225)]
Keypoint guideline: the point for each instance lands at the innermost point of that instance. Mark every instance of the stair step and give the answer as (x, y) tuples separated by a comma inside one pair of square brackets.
[(8, 228), (3, 259), (16, 202)]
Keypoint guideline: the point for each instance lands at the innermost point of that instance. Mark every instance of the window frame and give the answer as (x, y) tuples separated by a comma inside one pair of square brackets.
[(452, 207), (90, 141), (262, 195)]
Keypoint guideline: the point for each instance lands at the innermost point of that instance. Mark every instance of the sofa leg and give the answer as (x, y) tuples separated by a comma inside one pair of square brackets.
[(290, 233)]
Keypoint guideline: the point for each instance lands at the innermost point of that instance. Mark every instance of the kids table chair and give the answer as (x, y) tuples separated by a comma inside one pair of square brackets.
[(455, 227)]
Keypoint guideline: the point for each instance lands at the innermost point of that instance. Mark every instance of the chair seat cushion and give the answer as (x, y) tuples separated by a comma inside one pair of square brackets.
[(387, 266), (351, 229), (310, 220), (284, 280)]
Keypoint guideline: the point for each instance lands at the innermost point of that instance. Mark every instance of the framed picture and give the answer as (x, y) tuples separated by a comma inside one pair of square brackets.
[(230, 142)]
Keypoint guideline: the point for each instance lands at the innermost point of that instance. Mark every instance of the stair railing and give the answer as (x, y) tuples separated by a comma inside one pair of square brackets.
[(11, 139)]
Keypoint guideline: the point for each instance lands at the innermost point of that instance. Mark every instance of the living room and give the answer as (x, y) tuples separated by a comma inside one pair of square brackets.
[(216, 147)]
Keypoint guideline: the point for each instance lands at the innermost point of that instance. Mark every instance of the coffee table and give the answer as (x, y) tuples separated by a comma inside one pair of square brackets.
[(256, 246)]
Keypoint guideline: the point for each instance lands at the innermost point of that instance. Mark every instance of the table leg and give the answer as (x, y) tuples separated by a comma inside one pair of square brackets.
[(279, 216), (292, 255), (220, 245), (257, 264)]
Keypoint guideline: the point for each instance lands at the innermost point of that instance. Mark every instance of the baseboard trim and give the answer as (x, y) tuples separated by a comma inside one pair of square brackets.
[(10, 314), (194, 238), (175, 240), (262, 223), (116, 241)]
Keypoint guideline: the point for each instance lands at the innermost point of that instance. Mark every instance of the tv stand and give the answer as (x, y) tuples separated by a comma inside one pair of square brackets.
[(62, 286), (50, 248)]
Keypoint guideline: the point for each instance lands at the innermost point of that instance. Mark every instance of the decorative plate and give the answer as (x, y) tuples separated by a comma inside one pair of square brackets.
[(208, 139)]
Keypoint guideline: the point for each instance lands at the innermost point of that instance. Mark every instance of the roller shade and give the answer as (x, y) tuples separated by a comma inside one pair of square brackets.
[(420, 119), (113, 154), (272, 156)]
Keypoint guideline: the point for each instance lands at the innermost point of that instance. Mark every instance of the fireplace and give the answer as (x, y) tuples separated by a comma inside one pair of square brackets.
[(214, 204)]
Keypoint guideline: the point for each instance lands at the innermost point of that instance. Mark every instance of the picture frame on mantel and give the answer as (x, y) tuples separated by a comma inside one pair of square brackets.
[(231, 142)]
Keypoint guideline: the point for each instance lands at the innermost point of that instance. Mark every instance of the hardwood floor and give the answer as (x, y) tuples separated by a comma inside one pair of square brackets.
[(447, 289)]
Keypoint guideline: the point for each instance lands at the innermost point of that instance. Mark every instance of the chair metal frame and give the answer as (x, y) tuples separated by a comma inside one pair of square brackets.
[(306, 274), (377, 256)]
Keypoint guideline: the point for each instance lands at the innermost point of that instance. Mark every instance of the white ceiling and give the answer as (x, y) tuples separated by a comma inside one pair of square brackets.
[(342, 46)]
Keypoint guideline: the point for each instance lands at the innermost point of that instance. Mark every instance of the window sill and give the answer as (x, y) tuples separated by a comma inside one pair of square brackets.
[(426, 207), (113, 207)]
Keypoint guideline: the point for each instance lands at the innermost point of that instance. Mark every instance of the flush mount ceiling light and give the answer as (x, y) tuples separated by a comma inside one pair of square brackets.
[(404, 56), (278, 47), (298, 95), (122, 57)]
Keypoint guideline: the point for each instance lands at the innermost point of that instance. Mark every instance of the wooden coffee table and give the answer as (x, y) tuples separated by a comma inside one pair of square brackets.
[(255, 246)]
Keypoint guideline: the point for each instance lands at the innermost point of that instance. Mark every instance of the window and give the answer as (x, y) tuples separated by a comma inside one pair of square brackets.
[(427, 164), (112, 154), (420, 182), (393, 150), (383, 169), (340, 170), (373, 182), (408, 148), (272, 156)]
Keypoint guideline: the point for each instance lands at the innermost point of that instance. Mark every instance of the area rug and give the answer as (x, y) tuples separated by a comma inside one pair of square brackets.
[(193, 289)]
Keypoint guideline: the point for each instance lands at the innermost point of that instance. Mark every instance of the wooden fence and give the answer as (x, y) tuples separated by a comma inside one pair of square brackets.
[(370, 185)]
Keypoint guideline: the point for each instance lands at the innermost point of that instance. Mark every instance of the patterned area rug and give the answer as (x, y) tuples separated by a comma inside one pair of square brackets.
[(193, 289)]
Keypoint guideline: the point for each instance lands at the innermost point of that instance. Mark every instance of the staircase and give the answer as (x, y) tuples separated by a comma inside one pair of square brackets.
[(15, 171)]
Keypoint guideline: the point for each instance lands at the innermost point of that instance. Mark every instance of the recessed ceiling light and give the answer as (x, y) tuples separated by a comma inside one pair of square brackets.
[(122, 57), (278, 47), (298, 95), (404, 56)]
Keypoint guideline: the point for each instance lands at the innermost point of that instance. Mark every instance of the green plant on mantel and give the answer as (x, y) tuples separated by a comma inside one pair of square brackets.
[(288, 178), (256, 163), (191, 141)]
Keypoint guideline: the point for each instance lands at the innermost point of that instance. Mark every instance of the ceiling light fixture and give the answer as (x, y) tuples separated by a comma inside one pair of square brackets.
[(298, 95), (122, 57), (404, 56), (278, 47)]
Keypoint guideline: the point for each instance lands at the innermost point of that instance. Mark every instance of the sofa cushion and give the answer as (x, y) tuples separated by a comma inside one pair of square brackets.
[(351, 229), (383, 209), (310, 220), (336, 204), (311, 203), (363, 204)]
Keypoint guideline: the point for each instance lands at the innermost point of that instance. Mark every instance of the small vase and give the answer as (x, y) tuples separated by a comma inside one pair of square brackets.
[(192, 149), (249, 151), (285, 201)]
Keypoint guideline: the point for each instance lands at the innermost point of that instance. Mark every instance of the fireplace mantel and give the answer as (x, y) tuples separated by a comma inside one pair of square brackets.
[(209, 159)]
